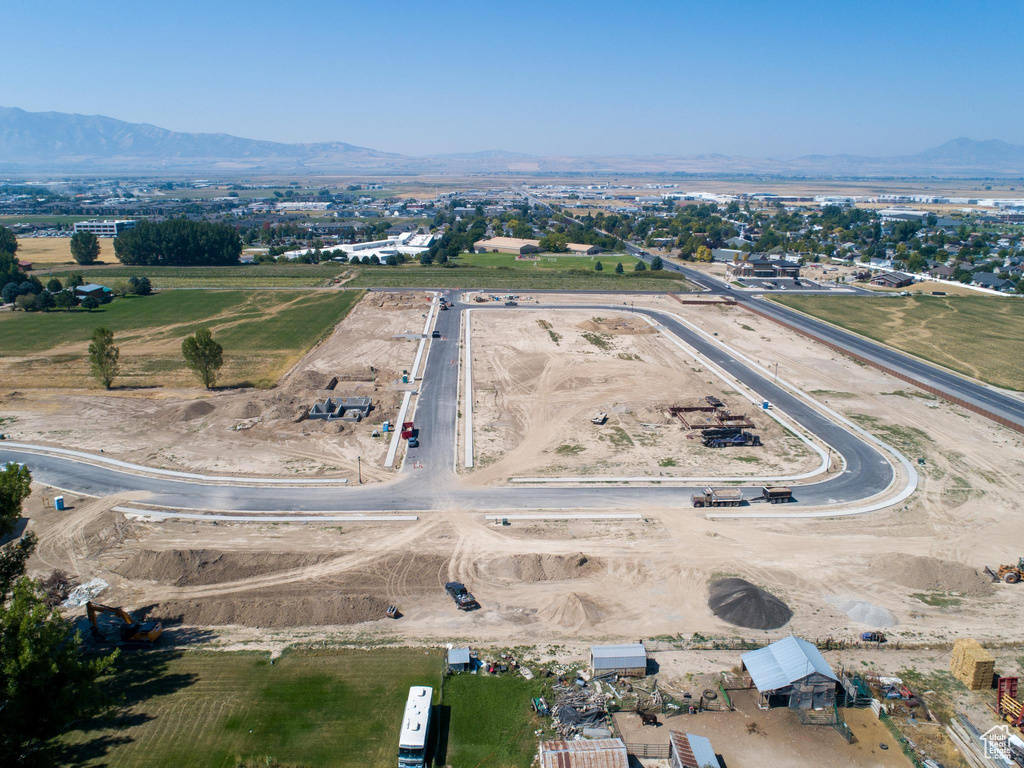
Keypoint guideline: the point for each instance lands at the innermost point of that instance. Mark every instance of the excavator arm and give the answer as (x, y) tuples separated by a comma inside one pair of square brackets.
[(93, 608)]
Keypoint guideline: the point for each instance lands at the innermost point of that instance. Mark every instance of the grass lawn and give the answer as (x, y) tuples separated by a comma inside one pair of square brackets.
[(32, 218), (979, 336), (491, 723), (507, 278), (219, 710), (263, 333), (243, 275)]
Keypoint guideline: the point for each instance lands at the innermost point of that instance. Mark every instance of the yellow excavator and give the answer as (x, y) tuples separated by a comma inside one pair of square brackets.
[(132, 631)]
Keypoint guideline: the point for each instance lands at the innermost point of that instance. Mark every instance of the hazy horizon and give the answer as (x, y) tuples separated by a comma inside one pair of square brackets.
[(737, 78)]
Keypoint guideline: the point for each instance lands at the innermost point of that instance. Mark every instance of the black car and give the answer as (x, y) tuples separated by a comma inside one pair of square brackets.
[(464, 601), (435, 335)]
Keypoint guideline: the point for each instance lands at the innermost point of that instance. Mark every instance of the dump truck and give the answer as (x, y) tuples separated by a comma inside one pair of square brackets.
[(407, 429), (725, 437), (776, 494), (720, 497), (132, 631), (464, 600), (1011, 574)]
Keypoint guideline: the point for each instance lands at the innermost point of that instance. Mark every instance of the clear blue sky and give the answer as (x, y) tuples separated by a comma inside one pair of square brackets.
[(744, 78)]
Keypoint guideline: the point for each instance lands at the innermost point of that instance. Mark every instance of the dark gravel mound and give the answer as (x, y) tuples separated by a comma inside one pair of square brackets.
[(739, 602)]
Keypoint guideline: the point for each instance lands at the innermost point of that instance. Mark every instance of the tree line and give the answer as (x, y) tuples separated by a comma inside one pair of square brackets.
[(179, 242)]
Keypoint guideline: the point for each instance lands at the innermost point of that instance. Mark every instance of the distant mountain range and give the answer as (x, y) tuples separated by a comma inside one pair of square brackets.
[(58, 142)]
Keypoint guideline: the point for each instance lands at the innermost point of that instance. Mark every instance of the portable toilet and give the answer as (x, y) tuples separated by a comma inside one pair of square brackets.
[(58, 503), (766, 405), (387, 426)]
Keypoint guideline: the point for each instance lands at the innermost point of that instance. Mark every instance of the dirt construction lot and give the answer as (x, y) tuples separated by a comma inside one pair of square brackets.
[(541, 376), (244, 431)]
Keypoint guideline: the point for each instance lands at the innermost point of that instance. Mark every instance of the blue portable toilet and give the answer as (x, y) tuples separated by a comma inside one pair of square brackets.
[(766, 405), (58, 503)]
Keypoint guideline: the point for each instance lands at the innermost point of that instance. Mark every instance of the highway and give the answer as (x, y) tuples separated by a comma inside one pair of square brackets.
[(428, 480)]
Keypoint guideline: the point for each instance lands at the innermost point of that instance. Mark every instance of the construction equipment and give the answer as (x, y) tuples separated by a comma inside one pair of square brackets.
[(464, 600), (132, 631), (724, 437), (392, 612), (776, 494), (1011, 574), (599, 419), (407, 429), (720, 497), (873, 637)]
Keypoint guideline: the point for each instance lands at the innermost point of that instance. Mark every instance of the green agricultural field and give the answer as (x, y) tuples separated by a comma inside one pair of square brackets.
[(979, 336), (241, 276), (263, 333), (548, 261), (508, 278), (329, 709), (491, 722)]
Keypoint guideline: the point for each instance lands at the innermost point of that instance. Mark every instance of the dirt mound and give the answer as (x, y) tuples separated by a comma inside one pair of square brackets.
[(742, 604), (537, 567), (194, 567), (194, 410), (571, 611), (292, 610), (243, 410), (864, 612), (932, 574)]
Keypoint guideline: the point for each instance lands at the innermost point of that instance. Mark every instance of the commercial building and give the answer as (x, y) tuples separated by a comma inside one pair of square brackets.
[(105, 228), (629, 660), (763, 268), (792, 673), (592, 753), (687, 750), (407, 244), (516, 245)]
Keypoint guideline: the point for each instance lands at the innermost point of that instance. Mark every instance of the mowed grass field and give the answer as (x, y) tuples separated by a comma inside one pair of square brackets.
[(549, 261), (979, 336), (491, 722), (322, 709), (506, 278), (194, 709), (241, 276), (263, 334)]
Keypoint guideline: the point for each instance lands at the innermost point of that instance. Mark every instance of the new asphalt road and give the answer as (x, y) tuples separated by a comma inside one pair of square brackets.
[(428, 480)]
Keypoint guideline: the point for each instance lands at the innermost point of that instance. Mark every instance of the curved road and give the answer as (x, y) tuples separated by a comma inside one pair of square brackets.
[(428, 480)]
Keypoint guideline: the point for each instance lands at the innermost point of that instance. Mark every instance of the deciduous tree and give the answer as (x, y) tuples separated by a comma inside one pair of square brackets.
[(85, 247), (104, 356), (203, 355)]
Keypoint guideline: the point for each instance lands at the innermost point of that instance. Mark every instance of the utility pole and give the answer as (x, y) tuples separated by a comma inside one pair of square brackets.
[(776, 373), (359, 468)]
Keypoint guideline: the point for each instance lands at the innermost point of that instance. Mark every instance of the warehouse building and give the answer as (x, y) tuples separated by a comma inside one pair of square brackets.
[(628, 660), (516, 245), (105, 228), (892, 280), (687, 750), (594, 753), (763, 268), (792, 673)]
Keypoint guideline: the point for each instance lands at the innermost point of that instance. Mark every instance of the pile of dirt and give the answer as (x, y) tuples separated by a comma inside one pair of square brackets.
[(932, 574), (290, 610), (249, 409), (194, 410), (863, 612), (742, 604), (195, 567), (571, 611), (536, 567)]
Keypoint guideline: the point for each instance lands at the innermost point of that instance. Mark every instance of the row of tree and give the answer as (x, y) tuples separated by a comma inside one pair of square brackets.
[(179, 242), (202, 354)]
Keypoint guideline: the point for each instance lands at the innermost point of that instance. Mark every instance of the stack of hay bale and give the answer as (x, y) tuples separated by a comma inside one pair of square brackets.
[(972, 665)]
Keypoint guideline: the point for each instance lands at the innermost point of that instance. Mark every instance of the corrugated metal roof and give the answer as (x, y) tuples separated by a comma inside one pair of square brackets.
[(619, 656), (784, 662), (596, 753), (693, 751), (458, 655)]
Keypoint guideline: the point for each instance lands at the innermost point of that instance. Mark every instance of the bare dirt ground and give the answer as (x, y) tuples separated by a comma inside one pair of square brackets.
[(539, 378), (576, 582), (248, 431)]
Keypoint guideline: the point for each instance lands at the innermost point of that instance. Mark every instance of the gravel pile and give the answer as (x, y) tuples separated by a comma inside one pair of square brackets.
[(742, 604), (863, 612)]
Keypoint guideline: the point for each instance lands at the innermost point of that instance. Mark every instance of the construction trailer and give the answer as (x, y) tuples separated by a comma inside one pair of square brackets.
[(718, 497), (629, 660)]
